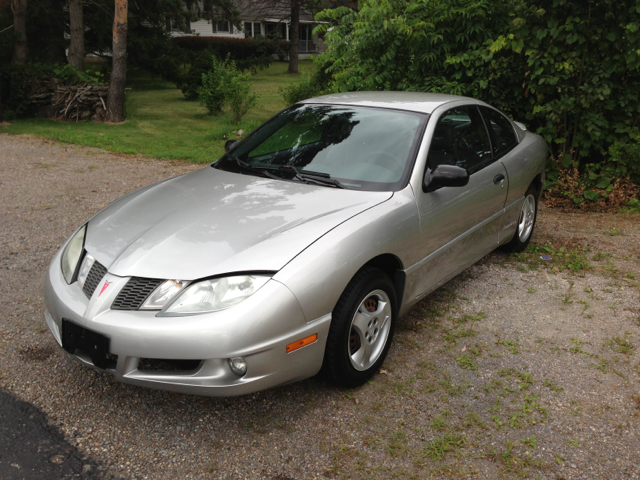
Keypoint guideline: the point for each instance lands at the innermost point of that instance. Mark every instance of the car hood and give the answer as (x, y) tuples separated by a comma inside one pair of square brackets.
[(213, 222)]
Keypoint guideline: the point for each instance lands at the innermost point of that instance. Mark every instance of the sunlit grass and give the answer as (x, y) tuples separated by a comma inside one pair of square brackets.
[(162, 124)]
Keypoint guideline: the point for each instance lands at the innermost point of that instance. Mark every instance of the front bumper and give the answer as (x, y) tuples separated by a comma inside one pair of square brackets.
[(258, 329)]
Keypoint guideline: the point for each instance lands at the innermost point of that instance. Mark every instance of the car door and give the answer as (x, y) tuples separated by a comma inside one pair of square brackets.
[(504, 141), (458, 225)]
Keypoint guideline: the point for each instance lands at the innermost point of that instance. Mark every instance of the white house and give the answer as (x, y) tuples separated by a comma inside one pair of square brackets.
[(258, 18)]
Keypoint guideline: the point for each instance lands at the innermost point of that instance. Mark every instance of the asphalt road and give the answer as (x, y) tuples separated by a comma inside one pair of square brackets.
[(32, 448)]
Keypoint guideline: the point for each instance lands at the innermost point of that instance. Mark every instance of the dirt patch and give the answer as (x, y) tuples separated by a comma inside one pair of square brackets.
[(520, 366)]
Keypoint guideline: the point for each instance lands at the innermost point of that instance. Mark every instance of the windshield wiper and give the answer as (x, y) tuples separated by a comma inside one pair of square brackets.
[(307, 176), (251, 168)]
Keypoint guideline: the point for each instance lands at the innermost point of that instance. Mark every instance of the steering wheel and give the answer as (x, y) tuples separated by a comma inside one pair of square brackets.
[(462, 149)]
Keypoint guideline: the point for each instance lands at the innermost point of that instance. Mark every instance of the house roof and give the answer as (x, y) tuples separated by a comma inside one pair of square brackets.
[(279, 10)]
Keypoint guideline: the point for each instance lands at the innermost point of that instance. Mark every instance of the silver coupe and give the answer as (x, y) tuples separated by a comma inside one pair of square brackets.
[(298, 250)]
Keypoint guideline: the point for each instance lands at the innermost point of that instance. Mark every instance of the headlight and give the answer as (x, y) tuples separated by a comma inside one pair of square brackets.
[(216, 294), (85, 268), (161, 295), (72, 253)]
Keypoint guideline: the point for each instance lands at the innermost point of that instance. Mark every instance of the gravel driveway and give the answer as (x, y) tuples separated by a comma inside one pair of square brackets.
[(517, 367)]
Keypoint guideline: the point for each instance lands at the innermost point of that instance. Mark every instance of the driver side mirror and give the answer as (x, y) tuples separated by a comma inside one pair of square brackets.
[(444, 176), (230, 145)]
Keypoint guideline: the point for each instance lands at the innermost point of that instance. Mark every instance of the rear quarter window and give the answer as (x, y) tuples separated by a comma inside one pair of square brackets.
[(503, 136)]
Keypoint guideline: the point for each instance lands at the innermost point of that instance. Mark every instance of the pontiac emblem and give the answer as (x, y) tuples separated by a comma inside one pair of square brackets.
[(104, 287)]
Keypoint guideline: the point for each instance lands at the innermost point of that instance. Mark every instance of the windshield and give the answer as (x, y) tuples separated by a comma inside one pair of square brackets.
[(361, 148)]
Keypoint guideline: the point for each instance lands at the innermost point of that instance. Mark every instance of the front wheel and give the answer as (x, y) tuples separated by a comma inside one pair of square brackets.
[(361, 329), (526, 222)]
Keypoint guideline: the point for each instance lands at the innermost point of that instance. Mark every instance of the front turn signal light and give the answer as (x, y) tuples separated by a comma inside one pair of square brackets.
[(292, 347)]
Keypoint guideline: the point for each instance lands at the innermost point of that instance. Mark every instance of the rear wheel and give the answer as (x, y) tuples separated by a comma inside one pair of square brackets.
[(361, 329), (526, 222)]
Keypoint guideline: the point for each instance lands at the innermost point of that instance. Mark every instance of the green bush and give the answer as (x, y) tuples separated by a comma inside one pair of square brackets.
[(249, 54), (210, 94), (625, 155), (224, 84), (18, 83), (236, 88), (308, 86), (69, 75), (191, 81), (301, 90), (569, 69), (238, 48)]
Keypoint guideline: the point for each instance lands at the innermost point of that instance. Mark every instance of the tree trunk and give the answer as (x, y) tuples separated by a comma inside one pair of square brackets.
[(294, 36), (76, 27), (115, 101), (19, 9)]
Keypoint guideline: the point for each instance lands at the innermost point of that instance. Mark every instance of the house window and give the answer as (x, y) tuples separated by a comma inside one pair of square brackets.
[(249, 32), (220, 26), (174, 24)]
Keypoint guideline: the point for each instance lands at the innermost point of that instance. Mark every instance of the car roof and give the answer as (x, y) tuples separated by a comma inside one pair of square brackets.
[(410, 101)]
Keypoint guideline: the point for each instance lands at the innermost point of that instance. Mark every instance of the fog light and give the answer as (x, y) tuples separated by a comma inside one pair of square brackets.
[(238, 366)]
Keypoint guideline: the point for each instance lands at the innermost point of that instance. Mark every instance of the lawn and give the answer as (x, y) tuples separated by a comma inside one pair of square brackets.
[(162, 124)]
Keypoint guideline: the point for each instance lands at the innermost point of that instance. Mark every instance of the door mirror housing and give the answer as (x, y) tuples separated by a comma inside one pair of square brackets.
[(444, 176), (230, 145)]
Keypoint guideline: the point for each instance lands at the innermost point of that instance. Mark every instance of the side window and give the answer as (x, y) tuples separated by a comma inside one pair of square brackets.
[(460, 139), (503, 138)]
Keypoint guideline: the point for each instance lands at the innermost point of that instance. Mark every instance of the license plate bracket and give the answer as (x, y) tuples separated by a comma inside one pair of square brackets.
[(96, 345)]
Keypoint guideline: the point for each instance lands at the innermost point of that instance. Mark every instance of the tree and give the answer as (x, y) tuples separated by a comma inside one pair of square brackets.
[(19, 9), (569, 69), (115, 101), (294, 37), (76, 32)]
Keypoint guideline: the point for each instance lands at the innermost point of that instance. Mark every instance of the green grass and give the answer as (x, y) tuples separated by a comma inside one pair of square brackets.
[(162, 124), (450, 442), (573, 259)]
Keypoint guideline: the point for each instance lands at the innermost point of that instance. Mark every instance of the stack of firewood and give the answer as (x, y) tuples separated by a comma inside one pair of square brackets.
[(76, 102)]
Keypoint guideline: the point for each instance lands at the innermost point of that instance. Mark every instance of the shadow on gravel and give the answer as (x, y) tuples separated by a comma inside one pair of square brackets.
[(31, 448)]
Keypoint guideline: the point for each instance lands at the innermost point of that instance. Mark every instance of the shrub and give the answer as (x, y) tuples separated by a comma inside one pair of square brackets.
[(192, 79), (238, 48), (570, 69), (210, 94), (301, 90), (69, 75), (236, 88), (249, 54), (308, 86), (224, 84), (18, 83)]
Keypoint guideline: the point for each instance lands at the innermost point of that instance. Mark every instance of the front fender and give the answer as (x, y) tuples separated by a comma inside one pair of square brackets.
[(319, 274)]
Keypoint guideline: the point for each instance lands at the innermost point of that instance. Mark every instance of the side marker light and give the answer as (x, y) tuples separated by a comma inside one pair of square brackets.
[(302, 343)]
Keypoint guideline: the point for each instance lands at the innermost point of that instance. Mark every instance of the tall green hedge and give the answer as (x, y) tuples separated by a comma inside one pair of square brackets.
[(569, 69), (237, 48), (251, 54)]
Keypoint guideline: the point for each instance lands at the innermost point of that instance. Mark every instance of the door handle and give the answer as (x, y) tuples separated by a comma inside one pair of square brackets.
[(498, 178)]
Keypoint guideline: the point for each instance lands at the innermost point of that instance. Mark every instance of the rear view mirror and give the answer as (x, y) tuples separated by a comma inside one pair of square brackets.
[(444, 176), (230, 145)]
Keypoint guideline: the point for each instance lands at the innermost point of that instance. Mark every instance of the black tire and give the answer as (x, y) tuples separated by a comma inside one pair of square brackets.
[(369, 288), (520, 240)]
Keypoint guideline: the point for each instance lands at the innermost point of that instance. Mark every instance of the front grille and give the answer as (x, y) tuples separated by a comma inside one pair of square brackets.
[(96, 274), (134, 293)]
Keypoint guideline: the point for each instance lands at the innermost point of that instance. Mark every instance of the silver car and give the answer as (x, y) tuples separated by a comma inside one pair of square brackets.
[(298, 250)]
